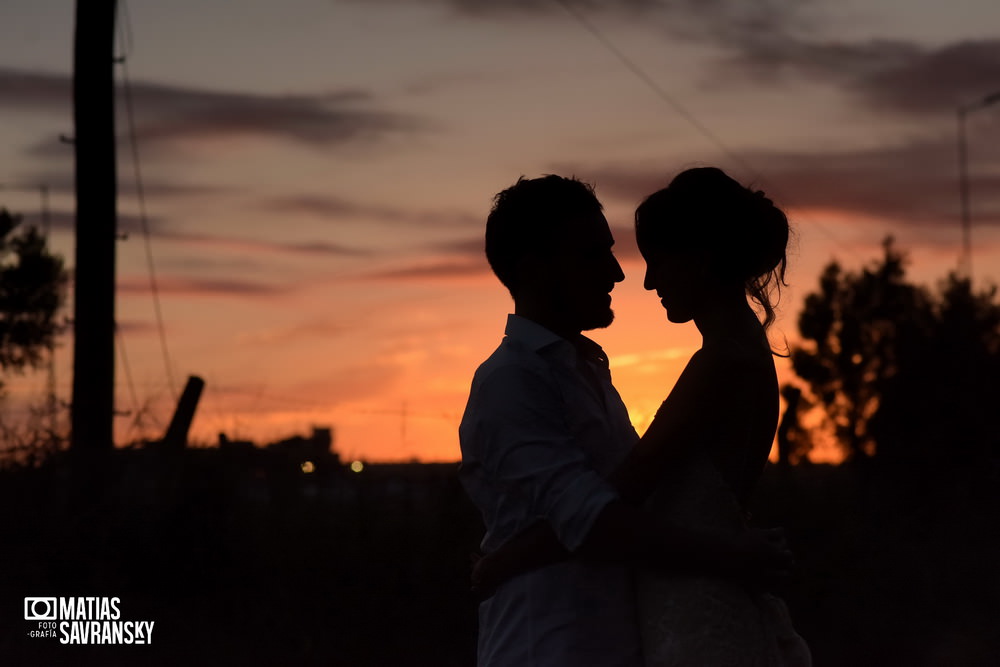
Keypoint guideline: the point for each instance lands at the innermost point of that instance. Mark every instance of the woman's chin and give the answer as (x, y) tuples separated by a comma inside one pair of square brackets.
[(677, 317)]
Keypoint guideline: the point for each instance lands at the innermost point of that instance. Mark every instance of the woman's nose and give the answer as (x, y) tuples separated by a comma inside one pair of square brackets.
[(647, 280)]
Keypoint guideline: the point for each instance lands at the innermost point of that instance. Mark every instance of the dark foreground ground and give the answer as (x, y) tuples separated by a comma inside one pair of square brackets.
[(244, 559)]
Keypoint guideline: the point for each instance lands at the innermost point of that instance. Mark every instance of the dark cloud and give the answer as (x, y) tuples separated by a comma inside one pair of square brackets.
[(212, 263), (775, 41), (771, 41), (313, 248), (36, 91), (912, 183), (776, 56), (337, 208), (198, 287), (456, 259), (514, 8), (165, 113), (725, 21), (936, 81), (444, 81), (888, 75), (64, 182), (470, 247), (445, 260), (440, 270), (130, 226), (59, 220)]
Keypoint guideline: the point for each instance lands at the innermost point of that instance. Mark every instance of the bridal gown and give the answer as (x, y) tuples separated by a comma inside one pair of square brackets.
[(688, 619)]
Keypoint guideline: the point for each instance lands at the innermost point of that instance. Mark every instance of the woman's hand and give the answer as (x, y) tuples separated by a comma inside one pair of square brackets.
[(761, 557), (757, 557)]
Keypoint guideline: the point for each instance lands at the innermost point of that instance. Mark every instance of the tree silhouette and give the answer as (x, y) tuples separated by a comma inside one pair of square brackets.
[(944, 397), (901, 371), (32, 290)]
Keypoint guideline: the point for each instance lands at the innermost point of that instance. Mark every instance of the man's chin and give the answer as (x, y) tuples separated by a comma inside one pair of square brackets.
[(599, 320)]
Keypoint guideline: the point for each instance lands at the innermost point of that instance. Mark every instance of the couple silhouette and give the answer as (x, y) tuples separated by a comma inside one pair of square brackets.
[(601, 547)]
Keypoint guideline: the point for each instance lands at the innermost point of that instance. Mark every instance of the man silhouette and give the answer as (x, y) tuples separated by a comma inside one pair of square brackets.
[(543, 428)]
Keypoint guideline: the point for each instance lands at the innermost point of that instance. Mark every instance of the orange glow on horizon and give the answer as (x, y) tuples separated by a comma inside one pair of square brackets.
[(398, 395)]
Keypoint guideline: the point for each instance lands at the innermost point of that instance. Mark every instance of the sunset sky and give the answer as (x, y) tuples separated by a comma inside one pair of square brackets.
[(317, 176)]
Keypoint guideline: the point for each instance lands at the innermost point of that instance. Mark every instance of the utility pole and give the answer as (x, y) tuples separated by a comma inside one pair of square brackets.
[(51, 401), (96, 226), (965, 259)]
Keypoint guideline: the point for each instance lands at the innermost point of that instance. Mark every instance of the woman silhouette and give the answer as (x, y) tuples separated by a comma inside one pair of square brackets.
[(709, 243)]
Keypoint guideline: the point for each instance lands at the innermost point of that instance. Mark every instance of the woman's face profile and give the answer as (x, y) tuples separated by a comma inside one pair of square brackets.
[(674, 277)]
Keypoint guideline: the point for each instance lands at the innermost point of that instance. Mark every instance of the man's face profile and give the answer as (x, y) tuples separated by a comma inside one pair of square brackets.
[(577, 271)]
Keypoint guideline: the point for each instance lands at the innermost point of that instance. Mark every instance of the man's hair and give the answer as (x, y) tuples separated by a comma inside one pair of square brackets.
[(530, 217)]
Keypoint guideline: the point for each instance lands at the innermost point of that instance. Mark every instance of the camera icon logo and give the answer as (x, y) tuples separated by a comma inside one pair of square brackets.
[(40, 609)]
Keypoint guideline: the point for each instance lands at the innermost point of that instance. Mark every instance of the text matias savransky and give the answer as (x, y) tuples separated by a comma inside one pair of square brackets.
[(85, 620)]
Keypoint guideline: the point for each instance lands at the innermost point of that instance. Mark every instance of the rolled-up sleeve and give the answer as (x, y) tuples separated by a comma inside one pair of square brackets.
[(528, 450)]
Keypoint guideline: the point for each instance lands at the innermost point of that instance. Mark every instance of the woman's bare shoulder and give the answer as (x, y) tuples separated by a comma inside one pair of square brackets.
[(728, 354)]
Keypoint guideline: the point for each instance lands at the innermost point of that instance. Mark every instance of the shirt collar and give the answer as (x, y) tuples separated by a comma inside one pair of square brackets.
[(530, 334), (536, 337)]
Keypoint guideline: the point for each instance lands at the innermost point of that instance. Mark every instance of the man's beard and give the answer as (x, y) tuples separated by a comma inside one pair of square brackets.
[(599, 320)]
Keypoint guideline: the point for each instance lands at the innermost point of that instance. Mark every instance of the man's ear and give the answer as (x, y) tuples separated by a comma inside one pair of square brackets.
[(532, 270)]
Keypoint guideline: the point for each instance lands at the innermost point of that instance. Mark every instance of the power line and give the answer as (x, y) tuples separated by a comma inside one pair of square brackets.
[(127, 368), (125, 34), (680, 109), (641, 74), (126, 43)]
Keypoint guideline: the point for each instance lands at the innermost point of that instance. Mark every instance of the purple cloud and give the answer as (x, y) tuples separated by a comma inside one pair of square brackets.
[(337, 208), (166, 113)]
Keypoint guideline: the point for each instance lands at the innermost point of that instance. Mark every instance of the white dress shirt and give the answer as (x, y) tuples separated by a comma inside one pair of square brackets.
[(542, 429)]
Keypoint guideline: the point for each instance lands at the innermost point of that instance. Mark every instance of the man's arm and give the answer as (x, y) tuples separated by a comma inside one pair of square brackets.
[(529, 457), (622, 533)]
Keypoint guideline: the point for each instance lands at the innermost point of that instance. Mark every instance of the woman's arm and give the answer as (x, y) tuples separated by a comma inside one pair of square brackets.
[(622, 534), (677, 429)]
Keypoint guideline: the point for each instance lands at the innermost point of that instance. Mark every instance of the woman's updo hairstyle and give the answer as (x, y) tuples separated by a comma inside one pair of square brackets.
[(740, 232)]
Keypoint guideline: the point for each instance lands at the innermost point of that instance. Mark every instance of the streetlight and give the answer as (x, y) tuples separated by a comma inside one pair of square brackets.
[(965, 261)]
